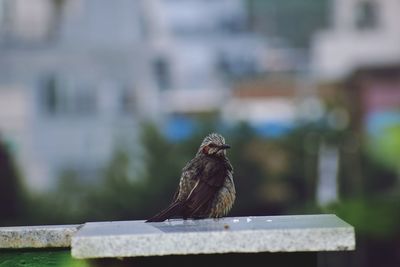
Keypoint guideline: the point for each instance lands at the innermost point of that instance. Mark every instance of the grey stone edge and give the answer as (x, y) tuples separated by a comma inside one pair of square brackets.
[(247, 241), (49, 236)]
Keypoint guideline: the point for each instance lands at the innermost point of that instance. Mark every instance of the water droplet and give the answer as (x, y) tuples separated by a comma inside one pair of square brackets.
[(176, 222)]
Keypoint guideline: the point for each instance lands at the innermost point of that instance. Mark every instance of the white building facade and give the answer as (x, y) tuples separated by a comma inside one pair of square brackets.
[(74, 82), (77, 76), (196, 45), (363, 33)]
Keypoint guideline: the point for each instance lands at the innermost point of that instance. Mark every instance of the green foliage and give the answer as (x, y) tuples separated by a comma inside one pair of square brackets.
[(386, 147), (65, 205), (163, 164), (376, 217), (39, 258)]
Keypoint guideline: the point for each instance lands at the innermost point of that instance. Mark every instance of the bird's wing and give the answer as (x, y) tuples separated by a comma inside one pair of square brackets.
[(191, 172), (175, 197), (209, 179), (205, 190), (172, 210)]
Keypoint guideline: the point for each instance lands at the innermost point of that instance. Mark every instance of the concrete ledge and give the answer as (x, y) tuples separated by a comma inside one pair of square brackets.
[(37, 236), (239, 235)]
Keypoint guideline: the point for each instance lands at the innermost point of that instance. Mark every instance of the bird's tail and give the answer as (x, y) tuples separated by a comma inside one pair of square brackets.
[(175, 209)]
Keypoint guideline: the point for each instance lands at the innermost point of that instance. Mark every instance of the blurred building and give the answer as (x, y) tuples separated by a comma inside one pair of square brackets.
[(375, 94), (358, 62), (77, 76), (196, 44), (363, 33), (74, 81), (269, 105), (362, 48), (198, 47)]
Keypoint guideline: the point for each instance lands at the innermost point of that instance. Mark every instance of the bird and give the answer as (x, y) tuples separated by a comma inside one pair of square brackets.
[(206, 188)]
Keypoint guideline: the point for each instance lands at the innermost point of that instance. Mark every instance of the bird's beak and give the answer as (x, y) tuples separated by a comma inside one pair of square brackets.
[(225, 146)]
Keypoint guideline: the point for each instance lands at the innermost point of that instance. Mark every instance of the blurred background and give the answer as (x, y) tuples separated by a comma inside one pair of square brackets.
[(103, 102)]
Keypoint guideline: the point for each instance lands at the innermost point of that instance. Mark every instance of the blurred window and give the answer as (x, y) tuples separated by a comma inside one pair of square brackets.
[(84, 101), (50, 97), (26, 22), (236, 65), (3, 10), (162, 74), (127, 101), (4, 16), (367, 15), (232, 24), (67, 97)]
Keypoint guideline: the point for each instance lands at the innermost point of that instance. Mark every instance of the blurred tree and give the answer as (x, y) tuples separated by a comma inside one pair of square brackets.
[(11, 193), (163, 164), (118, 194), (248, 173), (386, 147)]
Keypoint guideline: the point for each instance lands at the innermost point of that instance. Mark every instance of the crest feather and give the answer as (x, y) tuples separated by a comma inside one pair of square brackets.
[(213, 138)]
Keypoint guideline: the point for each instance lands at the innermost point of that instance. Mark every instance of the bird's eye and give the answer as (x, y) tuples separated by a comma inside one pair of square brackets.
[(206, 149)]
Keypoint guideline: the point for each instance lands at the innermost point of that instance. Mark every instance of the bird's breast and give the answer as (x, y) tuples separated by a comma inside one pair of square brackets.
[(224, 199)]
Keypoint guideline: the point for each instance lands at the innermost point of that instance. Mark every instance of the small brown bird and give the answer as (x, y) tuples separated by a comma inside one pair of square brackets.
[(206, 188)]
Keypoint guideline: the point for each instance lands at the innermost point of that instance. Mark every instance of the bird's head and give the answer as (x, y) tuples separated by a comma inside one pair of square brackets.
[(213, 144)]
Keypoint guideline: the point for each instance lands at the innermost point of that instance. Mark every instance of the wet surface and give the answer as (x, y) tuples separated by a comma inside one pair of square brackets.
[(230, 223)]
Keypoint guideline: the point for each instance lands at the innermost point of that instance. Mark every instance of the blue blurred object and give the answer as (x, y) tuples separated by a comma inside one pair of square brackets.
[(272, 129), (179, 128), (377, 122)]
